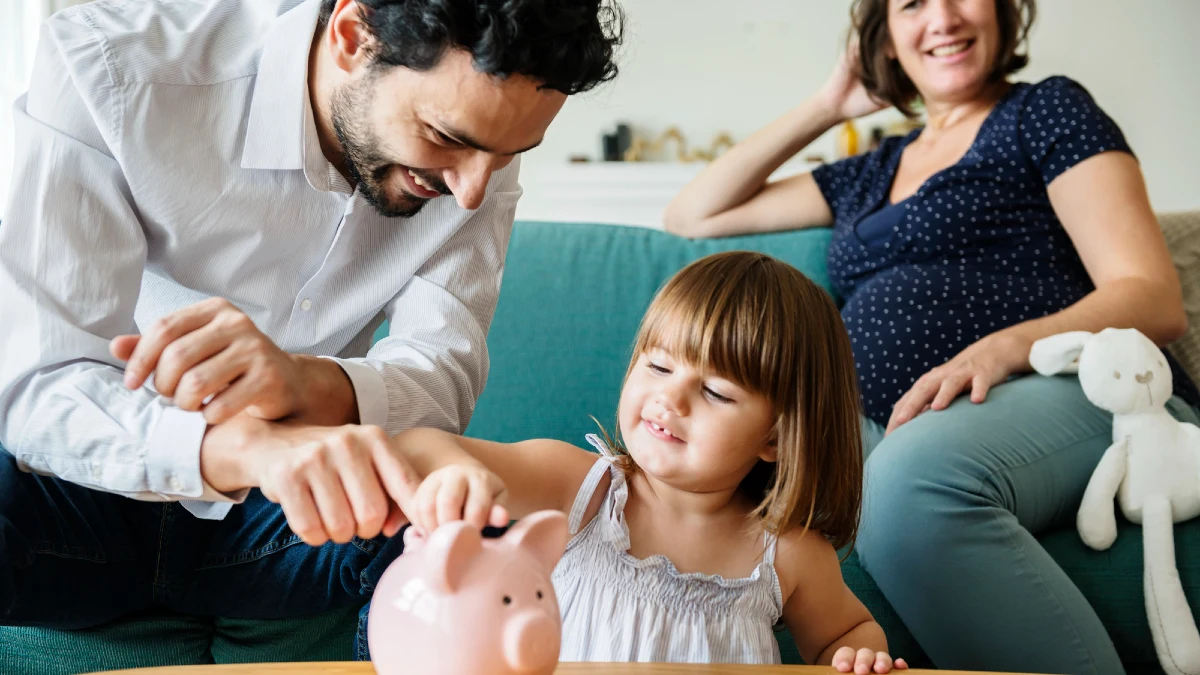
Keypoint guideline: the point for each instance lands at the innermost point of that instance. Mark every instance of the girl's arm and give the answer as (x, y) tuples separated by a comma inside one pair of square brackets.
[(535, 475), (822, 613)]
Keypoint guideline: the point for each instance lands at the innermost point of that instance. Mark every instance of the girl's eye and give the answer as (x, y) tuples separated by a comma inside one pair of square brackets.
[(717, 397), (656, 368)]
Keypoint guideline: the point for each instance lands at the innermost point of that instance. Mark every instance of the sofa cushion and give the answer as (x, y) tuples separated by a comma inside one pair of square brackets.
[(165, 639)]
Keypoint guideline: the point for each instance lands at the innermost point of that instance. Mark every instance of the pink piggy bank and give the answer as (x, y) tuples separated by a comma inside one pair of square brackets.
[(457, 604)]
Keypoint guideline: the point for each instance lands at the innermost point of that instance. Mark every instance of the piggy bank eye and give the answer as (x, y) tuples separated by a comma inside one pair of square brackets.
[(507, 600), (539, 595)]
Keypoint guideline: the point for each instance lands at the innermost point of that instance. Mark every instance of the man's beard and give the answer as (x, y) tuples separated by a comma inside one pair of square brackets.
[(360, 153)]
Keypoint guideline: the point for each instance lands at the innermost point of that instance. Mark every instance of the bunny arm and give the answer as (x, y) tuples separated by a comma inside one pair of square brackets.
[(1171, 623), (1097, 518)]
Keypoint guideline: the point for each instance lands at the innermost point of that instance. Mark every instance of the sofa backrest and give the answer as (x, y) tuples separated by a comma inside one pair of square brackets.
[(1182, 232), (573, 295)]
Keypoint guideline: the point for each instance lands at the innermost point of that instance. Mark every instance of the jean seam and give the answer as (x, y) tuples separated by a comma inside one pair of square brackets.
[(362, 650), (162, 530), (69, 552), (243, 557)]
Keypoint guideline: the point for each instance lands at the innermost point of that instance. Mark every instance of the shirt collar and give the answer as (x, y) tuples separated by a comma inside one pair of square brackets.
[(276, 127)]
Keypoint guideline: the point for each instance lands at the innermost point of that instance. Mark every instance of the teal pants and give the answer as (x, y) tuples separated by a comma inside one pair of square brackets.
[(953, 500)]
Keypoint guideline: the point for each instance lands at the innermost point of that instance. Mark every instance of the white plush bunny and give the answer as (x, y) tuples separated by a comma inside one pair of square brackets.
[(1152, 468)]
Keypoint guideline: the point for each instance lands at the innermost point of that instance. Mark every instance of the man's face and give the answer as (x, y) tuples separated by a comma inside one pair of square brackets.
[(409, 136)]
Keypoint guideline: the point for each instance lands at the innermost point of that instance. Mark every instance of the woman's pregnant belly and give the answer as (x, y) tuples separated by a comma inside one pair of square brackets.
[(909, 319)]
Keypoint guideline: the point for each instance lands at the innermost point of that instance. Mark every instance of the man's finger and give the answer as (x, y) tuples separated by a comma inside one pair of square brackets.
[(332, 504), (235, 398), (212, 377), (399, 478), (163, 332), (367, 499), (121, 347), (185, 353), (395, 520), (301, 512)]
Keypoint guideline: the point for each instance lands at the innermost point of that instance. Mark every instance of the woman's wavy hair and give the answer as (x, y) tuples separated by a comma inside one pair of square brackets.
[(565, 45), (887, 81)]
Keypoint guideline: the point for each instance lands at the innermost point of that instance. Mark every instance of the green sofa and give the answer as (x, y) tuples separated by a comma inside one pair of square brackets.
[(572, 298)]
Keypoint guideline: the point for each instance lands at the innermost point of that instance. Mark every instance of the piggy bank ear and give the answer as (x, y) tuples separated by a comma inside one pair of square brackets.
[(448, 552), (1058, 353), (543, 534)]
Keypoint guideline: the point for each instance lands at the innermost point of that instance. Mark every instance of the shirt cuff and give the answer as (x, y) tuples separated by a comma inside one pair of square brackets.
[(369, 391), (173, 465)]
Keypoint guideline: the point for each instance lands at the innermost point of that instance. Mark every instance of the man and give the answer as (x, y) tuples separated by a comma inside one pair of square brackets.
[(220, 195)]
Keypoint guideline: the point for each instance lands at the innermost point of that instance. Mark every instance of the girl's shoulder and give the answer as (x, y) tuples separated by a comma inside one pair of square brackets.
[(805, 557)]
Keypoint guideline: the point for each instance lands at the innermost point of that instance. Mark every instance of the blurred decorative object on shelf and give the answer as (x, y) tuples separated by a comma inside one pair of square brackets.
[(617, 144), (643, 150), (847, 140)]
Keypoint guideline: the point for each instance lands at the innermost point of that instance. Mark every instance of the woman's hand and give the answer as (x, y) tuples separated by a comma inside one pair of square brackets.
[(979, 367), (864, 661), (844, 94)]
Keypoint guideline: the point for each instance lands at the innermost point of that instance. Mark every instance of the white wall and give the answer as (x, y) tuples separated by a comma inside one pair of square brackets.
[(716, 65), (713, 65)]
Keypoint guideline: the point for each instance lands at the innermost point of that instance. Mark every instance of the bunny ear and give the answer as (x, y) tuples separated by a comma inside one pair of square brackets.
[(1058, 353)]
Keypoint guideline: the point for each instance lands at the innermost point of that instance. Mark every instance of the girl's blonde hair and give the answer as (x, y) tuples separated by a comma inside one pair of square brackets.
[(761, 323)]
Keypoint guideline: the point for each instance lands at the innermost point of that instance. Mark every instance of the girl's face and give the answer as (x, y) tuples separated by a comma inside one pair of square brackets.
[(690, 429), (946, 47)]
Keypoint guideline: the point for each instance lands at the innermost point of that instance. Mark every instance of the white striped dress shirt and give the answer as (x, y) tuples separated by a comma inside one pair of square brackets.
[(166, 153)]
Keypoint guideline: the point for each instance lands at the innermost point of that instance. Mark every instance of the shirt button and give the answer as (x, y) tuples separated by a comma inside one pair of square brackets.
[(176, 484), (306, 304)]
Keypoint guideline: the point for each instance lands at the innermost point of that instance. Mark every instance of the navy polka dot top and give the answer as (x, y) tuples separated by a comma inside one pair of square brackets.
[(976, 249)]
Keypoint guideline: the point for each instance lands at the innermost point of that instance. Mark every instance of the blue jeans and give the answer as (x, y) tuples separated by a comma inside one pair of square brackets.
[(953, 500), (71, 557)]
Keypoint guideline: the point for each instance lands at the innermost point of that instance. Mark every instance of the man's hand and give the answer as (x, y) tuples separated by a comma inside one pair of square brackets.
[(332, 482), (212, 349)]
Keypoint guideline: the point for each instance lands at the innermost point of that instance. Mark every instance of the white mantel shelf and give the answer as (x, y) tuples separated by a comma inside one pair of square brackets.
[(617, 193)]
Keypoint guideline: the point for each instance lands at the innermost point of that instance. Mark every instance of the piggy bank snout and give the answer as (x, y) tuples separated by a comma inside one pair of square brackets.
[(531, 641)]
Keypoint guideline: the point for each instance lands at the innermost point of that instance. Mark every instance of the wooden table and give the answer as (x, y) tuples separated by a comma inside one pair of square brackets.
[(349, 668)]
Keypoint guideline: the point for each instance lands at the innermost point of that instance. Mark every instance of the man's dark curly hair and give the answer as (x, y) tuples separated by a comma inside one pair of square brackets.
[(565, 45)]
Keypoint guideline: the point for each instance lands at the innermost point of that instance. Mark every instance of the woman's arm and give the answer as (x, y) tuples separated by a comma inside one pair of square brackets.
[(1103, 205), (732, 195), (536, 475)]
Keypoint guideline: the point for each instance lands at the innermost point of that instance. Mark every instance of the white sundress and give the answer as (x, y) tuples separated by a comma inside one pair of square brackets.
[(618, 608)]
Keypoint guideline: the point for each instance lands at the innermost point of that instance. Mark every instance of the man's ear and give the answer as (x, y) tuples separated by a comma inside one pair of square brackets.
[(347, 37)]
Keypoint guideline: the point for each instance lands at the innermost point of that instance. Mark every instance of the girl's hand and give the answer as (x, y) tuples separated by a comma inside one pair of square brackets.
[(864, 661), (844, 94), (458, 492), (979, 367)]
